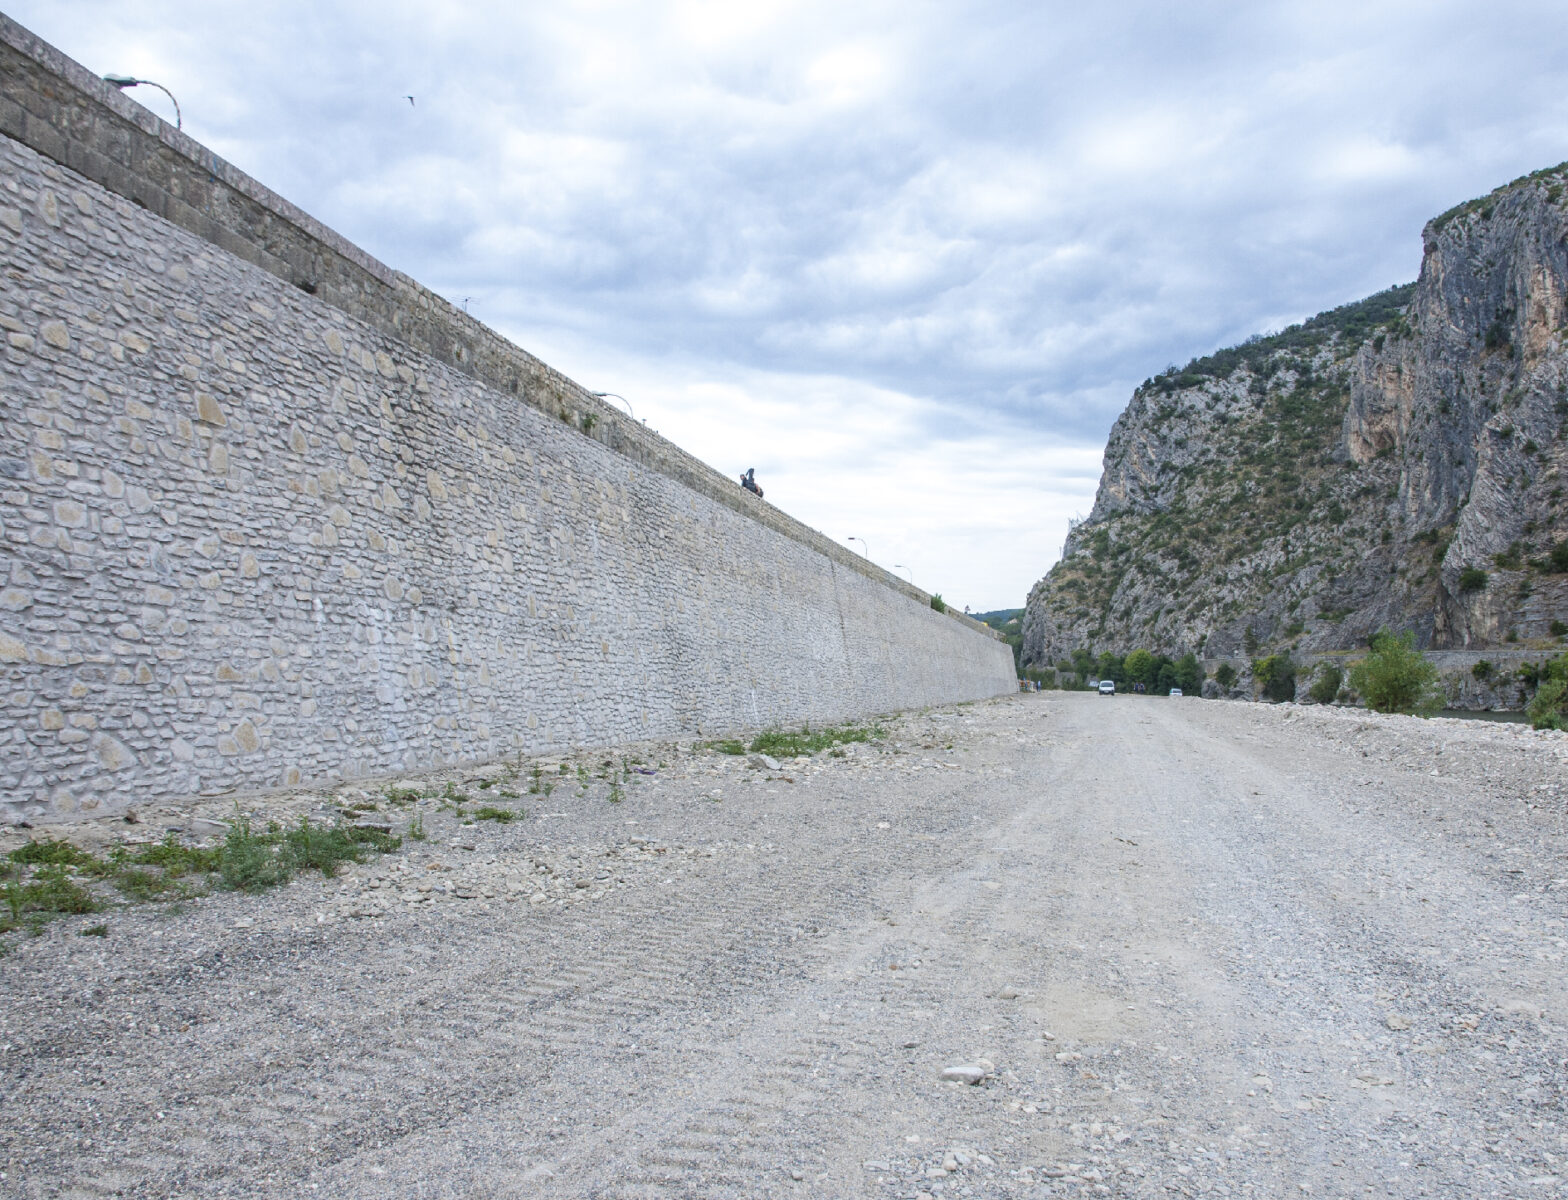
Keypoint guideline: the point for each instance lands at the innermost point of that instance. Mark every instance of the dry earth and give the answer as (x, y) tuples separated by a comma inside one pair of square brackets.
[(1205, 949)]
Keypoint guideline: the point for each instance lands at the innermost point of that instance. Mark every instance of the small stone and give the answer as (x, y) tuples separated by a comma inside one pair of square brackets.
[(56, 334), (763, 762), (209, 410), (970, 1073), (1008, 993), (1397, 1022)]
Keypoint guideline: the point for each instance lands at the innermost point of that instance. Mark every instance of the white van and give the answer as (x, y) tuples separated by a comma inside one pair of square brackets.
[(1107, 687)]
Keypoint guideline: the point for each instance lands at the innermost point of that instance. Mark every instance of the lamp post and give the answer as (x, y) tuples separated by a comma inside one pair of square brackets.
[(902, 567), (129, 81), (864, 549), (621, 398)]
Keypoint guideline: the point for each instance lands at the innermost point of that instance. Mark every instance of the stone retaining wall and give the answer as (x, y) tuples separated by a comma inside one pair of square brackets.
[(257, 535)]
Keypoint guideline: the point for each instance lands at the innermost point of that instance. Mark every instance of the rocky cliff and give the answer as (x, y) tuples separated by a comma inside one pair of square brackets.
[(1394, 462)]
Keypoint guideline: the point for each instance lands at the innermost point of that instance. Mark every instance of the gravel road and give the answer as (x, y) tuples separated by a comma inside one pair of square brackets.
[(1195, 948)]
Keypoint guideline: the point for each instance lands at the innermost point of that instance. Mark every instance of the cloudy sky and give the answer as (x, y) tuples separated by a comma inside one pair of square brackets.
[(906, 259)]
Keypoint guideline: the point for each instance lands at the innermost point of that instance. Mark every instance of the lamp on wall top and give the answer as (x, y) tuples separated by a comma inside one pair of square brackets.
[(129, 81)]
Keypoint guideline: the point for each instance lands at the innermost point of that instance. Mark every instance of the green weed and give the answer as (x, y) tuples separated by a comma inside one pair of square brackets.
[(51, 853), (783, 744), (95, 931), (490, 812), (416, 828)]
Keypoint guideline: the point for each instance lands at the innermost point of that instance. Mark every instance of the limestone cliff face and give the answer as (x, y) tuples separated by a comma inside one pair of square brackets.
[(1362, 469)]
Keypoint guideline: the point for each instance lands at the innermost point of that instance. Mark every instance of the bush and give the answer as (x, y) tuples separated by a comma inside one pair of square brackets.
[(1189, 673), (1396, 677), (1275, 676), (1482, 670), (1558, 558), (1548, 708), (1225, 676), (1472, 579), (938, 603), (1325, 686)]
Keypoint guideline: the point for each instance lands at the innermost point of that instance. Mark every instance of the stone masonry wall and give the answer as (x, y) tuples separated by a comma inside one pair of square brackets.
[(248, 540)]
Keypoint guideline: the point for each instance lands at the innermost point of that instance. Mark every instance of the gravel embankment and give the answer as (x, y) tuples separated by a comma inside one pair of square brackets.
[(1186, 947)]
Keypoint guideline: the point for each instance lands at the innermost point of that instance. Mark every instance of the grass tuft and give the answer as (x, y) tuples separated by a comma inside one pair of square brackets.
[(781, 743)]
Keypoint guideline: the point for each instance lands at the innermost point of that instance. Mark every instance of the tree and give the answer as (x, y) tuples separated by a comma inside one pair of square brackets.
[(1548, 708), (1225, 676), (1140, 667), (1189, 673), (1396, 677), (1326, 686), (1110, 667), (1275, 676)]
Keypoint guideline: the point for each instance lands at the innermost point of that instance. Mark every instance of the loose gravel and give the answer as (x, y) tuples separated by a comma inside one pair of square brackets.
[(1054, 945)]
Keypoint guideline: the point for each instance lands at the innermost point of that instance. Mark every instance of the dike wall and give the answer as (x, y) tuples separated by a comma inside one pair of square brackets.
[(272, 514)]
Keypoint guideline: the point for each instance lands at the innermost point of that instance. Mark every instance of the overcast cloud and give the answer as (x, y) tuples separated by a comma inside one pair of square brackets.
[(908, 260)]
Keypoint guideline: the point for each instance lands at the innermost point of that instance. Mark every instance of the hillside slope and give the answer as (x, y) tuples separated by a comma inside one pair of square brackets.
[(1393, 462)]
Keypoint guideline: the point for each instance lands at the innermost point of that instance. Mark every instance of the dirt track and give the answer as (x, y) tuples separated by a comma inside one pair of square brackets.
[(1209, 948)]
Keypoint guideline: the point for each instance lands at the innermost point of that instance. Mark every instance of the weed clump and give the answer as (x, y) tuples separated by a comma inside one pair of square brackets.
[(490, 812), (784, 744)]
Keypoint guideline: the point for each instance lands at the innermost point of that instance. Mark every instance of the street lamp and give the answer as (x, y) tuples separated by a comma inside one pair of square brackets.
[(622, 399), (864, 550), (902, 567), (129, 81)]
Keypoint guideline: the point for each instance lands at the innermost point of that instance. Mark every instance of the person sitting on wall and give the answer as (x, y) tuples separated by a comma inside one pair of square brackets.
[(749, 482)]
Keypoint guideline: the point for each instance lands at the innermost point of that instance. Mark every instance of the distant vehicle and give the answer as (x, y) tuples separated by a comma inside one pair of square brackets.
[(1175, 691), (1107, 687)]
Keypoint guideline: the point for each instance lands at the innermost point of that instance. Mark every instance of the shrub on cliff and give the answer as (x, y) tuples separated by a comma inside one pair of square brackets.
[(1396, 677), (938, 603), (1225, 676)]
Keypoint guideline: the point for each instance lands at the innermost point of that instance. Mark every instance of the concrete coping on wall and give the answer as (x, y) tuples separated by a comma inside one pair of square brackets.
[(59, 108)]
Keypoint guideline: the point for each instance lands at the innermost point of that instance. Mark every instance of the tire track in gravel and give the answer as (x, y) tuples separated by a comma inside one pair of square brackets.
[(1190, 897)]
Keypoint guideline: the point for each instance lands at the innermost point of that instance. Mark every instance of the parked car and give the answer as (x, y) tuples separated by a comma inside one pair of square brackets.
[(1107, 687), (1175, 691)]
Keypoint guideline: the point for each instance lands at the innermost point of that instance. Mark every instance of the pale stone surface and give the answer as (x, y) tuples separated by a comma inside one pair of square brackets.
[(256, 540)]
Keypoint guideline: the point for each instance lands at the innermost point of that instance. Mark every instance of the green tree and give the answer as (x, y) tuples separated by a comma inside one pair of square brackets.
[(1225, 676), (1396, 677), (1325, 686), (1189, 673), (1140, 667), (1548, 708), (1110, 667), (1275, 676)]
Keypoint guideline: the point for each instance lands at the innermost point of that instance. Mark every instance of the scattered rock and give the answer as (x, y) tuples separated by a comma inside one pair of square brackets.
[(763, 762), (1007, 993), (970, 1073), (1395, 1021)]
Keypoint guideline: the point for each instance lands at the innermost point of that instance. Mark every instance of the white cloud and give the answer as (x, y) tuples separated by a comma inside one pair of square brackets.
[(908, 260)]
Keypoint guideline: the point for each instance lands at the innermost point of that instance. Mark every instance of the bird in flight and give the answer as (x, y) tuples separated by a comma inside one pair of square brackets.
[(410, 100)]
